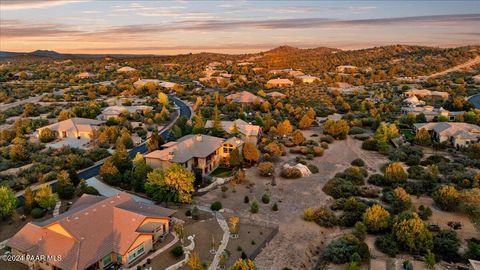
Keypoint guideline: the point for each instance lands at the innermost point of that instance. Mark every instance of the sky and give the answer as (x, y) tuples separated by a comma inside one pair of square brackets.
[(239, 26)]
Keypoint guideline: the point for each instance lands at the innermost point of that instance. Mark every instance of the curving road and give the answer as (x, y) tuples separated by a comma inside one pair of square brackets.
[(475, 100), (185, 111)]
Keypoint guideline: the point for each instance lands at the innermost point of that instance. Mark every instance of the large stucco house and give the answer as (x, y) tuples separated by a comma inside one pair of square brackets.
[(95, 233), (245, 98), (279, 83), (79, 128), (424, 93), (117, 110), (200, 153), (432, 114), (455, 134), (246, 131)]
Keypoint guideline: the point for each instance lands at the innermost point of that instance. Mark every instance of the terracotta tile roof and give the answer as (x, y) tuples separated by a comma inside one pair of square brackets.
[(97, 226)]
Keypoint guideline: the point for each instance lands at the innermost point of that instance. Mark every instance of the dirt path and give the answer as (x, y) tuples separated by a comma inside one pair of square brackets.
[(465, 65)]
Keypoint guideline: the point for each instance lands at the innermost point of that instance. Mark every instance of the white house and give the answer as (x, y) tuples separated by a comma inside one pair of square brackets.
[(81, 128), (117, 110)]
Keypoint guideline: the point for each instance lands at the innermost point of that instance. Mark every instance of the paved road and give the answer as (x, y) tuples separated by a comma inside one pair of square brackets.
[(185, 111), (109, 191), (475, 100)]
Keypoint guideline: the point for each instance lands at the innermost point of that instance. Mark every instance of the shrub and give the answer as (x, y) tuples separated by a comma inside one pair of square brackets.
[(188, 213), (47, 135), (215, 206), (394, 173), (386, 244), (195, 213), (317, 151), (411, 233), (246, 199), (360, 230), (358, 162), (37, 213), (377, 179), (424, 212), (265, 198), (356, 130), (370, 145), (275, 207), (341, 250), (340, 188), (266, 168), (254, 207), (177, 251), (447, 198), (445, 245), (322, 216), (327, 139), (291, 173), (376, 218), (313, 168)]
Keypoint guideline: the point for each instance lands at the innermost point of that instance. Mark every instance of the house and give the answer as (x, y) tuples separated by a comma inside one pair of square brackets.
[(217, 79), (413, 102), (276, 94), (117, 110), (23, 74), (431, 113), (288, 71), (455, 134), (244, 97), (85, 75), (126, 69), (80, 128), (424, 93), (279, 83), (308, 78), (142, 82), (200, 153), (95, 233), (346, 68), (247, 132)]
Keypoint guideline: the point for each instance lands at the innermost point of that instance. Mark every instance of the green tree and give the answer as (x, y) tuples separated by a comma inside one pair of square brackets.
[(140, 172), (172, 184), (250, 152), (284, 128), (28, 200), (65, 187), (45, 198), (109, 173), (154, 141), (429, 259), (337, 129), (236, 158), (121, 159), (217, 129), (8, 202), (198, 124), (423, 137)]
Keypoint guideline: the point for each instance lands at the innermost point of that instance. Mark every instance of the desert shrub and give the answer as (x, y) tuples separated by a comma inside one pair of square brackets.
[(376, 218), (324, 145), (360, 230), (445, 245), (341, 250), (377, 179), (411, 233), (275, 207), (246, 199), (37, 212), (177, 251), (370, 145), (215, 206), (435, 159), (424, 212), (416, 172), (356, 130), (266, 168), (265, 198), (394, 173), (254, 207), (356, 175), (313, 168), (327, 138), (387, 244), (291, 173), (340, 188), (473, 251), (317, 151), (358, 162), (447, 197), (321, 215)]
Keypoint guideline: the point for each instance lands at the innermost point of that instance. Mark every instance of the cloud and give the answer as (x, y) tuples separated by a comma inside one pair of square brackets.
[(29, 4), (19, 29)]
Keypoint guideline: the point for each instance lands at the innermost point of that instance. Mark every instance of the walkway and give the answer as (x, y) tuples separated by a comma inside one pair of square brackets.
[(156, 253), (226, 235), (109, 191), (56, 211)]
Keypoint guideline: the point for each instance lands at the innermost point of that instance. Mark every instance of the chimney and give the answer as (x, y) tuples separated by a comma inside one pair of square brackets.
[(199, 137)]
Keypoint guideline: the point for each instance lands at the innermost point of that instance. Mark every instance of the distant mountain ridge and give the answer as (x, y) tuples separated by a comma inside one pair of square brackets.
[(57, 55)]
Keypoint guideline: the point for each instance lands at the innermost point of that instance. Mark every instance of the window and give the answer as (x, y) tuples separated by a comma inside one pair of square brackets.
[(132, 255), (107, 260)]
